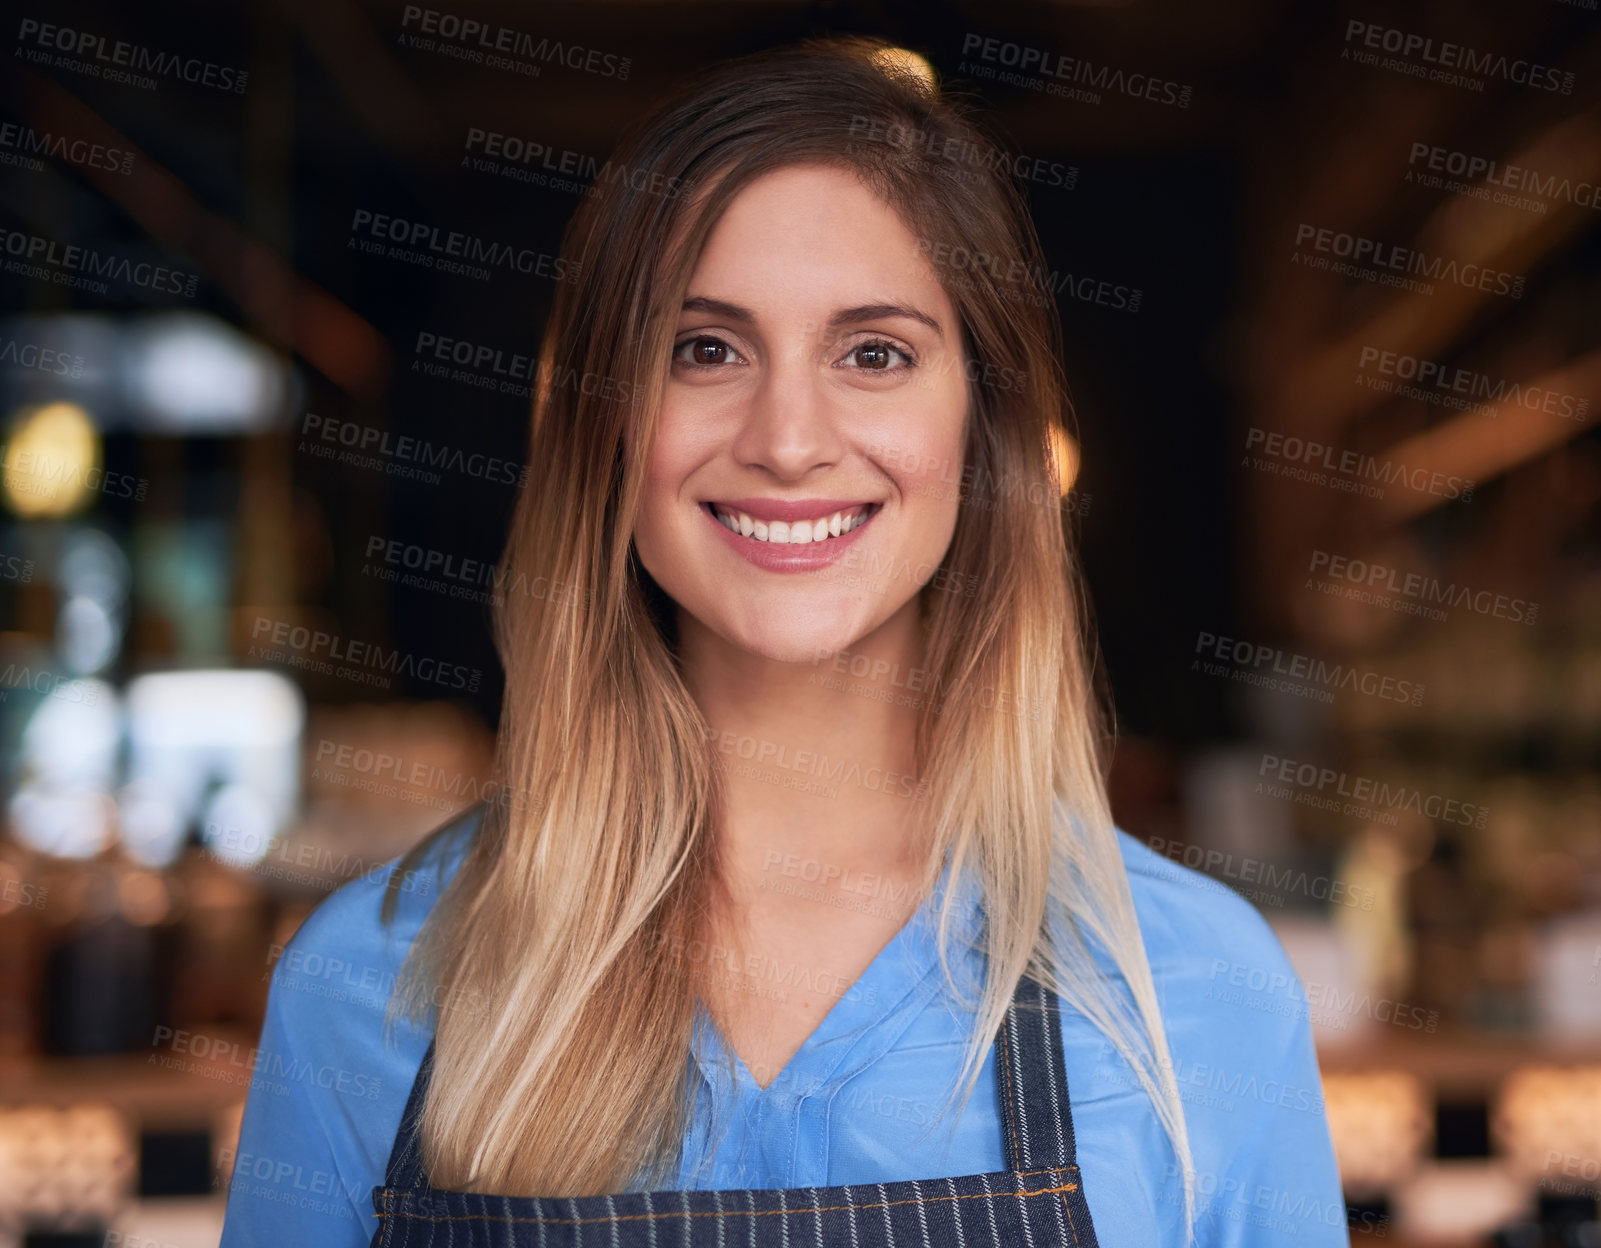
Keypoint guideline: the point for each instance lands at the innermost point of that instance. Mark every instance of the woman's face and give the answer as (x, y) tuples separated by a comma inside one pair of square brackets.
[(816, 377)]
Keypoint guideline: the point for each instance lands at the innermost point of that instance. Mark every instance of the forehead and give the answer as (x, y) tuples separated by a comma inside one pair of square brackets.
[(814, 235)]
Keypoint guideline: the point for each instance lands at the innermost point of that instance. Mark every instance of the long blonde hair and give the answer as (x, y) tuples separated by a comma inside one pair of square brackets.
[(567, 1073)]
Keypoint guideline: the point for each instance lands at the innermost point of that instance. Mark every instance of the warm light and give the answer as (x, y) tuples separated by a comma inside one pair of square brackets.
[(1064, 457), (904, 61), (51, 461)]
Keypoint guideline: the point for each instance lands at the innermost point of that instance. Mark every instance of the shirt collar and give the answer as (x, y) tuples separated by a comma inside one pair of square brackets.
[(869, 1015)]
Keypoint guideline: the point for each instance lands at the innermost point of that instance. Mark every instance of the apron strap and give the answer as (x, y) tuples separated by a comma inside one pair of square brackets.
[(405, 1170), (1031, 1077)]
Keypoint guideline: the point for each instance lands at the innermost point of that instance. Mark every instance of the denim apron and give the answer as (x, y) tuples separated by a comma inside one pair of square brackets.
[(1038, 1201)]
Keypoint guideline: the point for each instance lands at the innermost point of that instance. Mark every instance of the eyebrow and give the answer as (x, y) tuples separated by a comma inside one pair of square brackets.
[(845, 316)]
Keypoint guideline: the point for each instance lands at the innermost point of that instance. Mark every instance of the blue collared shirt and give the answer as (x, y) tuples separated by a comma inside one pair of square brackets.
[(861, 1100)]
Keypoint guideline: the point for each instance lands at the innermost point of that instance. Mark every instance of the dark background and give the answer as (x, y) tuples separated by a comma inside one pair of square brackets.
[(1195, 206)]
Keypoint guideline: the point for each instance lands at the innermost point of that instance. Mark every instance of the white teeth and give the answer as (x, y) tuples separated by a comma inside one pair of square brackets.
[(800, 533)]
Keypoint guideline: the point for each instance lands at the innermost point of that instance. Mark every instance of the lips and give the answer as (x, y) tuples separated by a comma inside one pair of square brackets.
[(809, 542), (818, 527)]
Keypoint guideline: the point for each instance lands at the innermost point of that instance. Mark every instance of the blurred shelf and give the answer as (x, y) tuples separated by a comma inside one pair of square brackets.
[(1457, 1060), (143, 1085)]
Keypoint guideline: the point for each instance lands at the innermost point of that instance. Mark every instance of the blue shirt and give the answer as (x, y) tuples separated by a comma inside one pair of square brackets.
[(857, 1102)]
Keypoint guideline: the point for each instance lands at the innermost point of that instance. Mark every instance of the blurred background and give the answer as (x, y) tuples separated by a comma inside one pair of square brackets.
[(1331, 284)]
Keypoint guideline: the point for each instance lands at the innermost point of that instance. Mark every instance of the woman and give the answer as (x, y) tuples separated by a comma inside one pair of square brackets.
[(807, 840)]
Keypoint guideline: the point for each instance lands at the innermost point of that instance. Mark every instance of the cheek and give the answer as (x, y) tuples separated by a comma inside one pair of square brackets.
[(927, 449)]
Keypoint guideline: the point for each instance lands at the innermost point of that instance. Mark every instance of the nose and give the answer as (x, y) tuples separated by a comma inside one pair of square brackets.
[(791, 425)]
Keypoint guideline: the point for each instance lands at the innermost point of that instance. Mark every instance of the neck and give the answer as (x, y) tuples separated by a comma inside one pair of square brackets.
[(819, 774)]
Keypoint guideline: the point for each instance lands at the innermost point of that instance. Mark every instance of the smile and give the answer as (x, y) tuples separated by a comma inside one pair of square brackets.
[(796, 532)]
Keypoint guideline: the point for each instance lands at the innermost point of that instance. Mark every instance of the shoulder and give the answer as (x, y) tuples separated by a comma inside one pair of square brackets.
[(1222, 977), (344, 953), (1188, 918)]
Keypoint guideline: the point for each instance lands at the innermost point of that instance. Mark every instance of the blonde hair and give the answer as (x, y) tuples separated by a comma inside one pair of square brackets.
[(570, 1074)]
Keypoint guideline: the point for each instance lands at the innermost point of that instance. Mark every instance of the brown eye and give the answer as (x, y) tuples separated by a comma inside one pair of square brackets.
[(879, 357), (704, 352)]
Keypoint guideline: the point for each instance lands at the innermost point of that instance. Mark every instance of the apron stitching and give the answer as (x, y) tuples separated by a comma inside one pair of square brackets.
[(1009, 1105), (1068, 1205), (611, 1208), (956, 1216), (1022, 1102), (989, 1206), (754, 1213), (1050, 1080)]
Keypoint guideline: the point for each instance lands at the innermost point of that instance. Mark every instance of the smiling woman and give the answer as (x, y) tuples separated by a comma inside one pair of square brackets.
[(732, 963)]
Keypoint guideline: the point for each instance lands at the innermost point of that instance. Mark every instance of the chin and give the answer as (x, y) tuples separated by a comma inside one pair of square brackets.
[(789, 640)]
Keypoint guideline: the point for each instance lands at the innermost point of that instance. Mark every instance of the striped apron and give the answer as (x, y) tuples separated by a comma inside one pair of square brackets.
[(1036, 1203)]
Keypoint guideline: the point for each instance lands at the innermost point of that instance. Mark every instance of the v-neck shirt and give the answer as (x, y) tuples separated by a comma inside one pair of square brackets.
[(860, 1101)]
